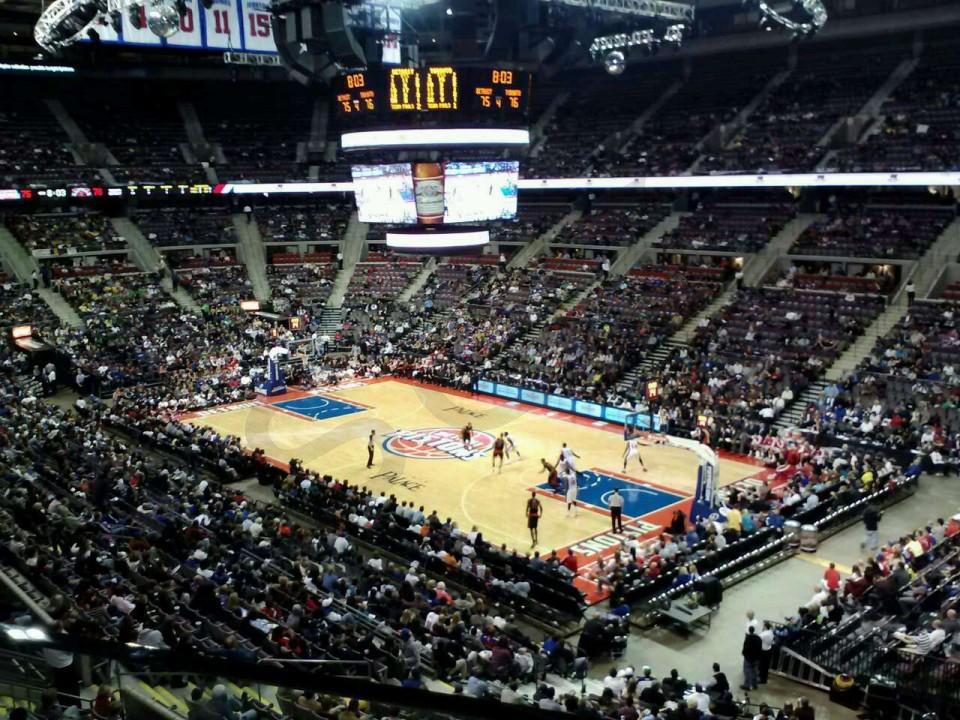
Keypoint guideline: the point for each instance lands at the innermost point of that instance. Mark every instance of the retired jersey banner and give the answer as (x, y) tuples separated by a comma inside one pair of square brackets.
[(237, 25)]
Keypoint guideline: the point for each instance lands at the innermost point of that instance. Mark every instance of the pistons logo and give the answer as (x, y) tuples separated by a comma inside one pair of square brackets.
[(437, 444)]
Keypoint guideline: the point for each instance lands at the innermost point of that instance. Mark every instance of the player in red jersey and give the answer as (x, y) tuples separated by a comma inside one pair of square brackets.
[(467, 435), (552, 477), (498, 446), (534, 511)]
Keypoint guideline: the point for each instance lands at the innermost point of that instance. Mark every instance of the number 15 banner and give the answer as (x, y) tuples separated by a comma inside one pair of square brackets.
[(239, 25)]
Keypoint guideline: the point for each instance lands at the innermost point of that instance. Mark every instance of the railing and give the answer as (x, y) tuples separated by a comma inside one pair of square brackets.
[(863, 647)]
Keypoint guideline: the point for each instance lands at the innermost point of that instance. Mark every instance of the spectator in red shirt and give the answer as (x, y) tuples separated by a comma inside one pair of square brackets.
[(570, 562), (831, 578)]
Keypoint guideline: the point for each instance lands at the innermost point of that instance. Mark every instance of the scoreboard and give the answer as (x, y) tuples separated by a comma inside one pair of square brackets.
[(390, 92)]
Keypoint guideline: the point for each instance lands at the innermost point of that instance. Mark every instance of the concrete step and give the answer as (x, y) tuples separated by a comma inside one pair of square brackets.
[(418, 281), (756, 269), (793, 412), (354, 241), (61, 308), (536, 246), (252, 253), (15, 257), (145, 255), (629, 257)]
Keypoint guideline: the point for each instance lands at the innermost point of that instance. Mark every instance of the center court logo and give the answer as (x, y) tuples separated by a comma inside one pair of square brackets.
[(436, 444)]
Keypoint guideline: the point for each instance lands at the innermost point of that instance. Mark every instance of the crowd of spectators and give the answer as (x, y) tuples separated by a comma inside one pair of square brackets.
[(301, 283), (303, 223), (586, 352), (918, 123), (669, 142), (894, 613), (19, 305), (903, 396), (65, 232), (743, 228), (874, 232), (752, 358), (187, 226), (451, 282), (577, 129), (829, 83), (33, 147), (610, 225), (217, 285)]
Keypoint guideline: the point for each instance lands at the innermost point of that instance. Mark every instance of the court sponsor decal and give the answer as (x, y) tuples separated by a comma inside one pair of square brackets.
[(436, 444), (399, 479), (461, 410)]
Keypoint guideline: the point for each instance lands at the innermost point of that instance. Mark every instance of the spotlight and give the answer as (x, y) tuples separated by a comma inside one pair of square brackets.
[(25, 634), (163, 19), (615, 62)]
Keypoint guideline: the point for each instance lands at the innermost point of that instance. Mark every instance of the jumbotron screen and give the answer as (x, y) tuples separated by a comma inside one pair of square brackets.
[(477, 191), (384, 193), (432, 193)]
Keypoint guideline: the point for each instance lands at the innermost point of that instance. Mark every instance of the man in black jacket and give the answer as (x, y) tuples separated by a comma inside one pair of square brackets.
[(752, 652), (719, 685), (871, 523), (652, 696)]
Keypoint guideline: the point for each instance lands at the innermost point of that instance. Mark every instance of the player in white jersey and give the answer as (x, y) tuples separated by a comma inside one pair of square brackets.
[(632, 450), (511, 446), (566, 456), (570, 480)]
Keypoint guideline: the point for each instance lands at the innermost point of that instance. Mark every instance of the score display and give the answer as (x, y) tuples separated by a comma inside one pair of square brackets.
[(394, 91)]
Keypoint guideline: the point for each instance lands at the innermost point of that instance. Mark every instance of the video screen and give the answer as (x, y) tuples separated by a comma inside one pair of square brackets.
[(384, 193), (480, 190)]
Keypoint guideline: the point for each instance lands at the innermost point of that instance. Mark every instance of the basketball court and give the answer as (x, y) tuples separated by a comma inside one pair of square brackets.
[(420, 457)]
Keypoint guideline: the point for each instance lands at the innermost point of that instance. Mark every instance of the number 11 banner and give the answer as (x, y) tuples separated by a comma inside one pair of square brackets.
[(222, 25)]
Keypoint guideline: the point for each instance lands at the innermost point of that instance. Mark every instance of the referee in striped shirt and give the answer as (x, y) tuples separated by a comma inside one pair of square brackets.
[(615, 503)]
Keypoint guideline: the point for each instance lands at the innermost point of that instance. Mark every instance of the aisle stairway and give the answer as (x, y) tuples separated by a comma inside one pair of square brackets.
[(418, 281), (630, 256), (252, 253), (331, 320), (15, 257), (147, 257), (758, 266), (925, 272), (649, 366), (792, 414), (354, 240), (537, 245), (61, 308)]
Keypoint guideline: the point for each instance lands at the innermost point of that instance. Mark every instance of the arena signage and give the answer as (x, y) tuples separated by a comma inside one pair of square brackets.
[(668, 182), (565, 404)]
